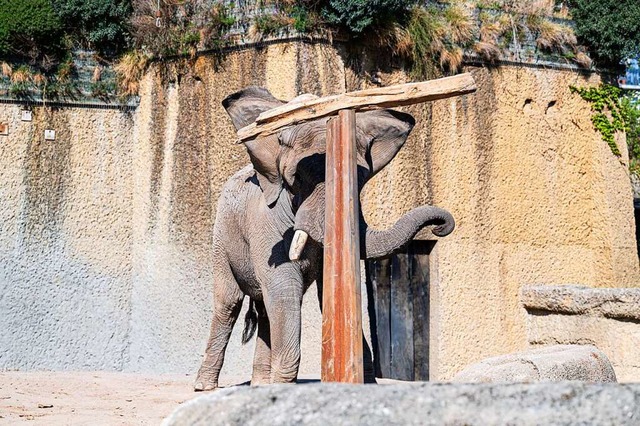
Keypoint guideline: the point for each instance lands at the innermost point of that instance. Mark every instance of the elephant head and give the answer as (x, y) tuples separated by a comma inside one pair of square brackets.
[(293, 160)]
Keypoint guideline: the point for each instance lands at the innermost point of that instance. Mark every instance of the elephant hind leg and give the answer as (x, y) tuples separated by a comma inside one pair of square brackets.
[(226, 309), (262, 358)]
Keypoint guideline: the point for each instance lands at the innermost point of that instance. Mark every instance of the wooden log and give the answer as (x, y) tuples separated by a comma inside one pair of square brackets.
[(342, 350), (273, 120)]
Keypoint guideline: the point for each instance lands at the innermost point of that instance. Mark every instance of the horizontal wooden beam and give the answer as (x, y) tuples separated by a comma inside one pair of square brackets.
[(287, 115)]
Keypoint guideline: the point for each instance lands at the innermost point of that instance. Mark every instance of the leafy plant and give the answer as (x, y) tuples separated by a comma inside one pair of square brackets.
[(271, 24), (610, 28), (179, 27), (19, 90), (612, 113), (357, 15), (100, 24), (630, 106), (29, 28), (102, 89)]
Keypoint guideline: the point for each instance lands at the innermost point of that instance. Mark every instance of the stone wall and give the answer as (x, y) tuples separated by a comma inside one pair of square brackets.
[(104, 242), (606, 318)]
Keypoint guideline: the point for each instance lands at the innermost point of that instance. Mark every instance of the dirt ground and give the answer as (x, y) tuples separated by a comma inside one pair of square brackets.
[(90, 398)]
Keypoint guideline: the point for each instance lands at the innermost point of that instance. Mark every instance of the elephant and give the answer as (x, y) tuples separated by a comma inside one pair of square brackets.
[(280, 198)]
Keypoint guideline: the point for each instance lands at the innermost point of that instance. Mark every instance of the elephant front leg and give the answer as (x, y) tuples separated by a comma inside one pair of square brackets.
[(284, 308), (262, 358)]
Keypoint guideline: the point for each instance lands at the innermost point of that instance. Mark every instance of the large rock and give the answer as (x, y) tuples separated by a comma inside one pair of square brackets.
[(415, 404), (608, 318), (550, 363)]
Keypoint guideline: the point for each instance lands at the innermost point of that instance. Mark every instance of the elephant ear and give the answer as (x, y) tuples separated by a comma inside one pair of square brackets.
[(246, 105), (383, 133)]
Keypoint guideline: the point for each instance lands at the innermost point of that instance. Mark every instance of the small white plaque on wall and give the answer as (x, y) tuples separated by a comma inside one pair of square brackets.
[(4, 129), (26, 115), (49, 135)]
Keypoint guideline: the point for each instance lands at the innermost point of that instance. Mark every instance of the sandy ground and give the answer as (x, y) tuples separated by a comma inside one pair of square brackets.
[(91, 398)]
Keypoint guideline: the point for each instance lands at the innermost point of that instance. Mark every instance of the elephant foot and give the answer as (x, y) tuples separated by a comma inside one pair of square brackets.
[(205, 381), (259, 381), (204, 385)]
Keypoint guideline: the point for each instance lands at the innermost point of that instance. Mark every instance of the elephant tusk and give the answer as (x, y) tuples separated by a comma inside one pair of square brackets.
[(297, 244)]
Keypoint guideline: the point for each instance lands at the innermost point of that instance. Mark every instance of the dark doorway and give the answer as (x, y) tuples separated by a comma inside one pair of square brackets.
[(399, 312)]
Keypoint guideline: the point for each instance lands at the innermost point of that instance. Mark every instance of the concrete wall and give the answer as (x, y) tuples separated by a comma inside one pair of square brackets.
[(606, 318), (104, 249)]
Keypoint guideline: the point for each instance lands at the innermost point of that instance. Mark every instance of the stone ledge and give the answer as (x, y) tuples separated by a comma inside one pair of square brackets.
[(415, 404), (623, 303), (546, 364)]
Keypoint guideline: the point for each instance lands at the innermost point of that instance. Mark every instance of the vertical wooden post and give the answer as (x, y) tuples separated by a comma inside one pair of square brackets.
[(342, 357)]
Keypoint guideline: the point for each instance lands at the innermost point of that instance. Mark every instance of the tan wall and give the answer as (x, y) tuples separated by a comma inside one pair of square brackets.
[(606, 318), (538, 197)]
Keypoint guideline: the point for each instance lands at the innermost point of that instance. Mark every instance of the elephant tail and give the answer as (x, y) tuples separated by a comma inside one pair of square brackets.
[(250, 322)]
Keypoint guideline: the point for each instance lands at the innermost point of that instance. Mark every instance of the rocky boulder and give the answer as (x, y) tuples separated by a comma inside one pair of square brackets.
[(568, 403), (547, 364)]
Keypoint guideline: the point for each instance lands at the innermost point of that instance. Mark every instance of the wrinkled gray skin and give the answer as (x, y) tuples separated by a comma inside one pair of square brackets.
[(259, 210)]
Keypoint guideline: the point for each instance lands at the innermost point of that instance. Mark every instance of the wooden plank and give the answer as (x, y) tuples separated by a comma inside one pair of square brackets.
[(401, 319), (273, 120), (380, 276), (342, 351), (419, 257)]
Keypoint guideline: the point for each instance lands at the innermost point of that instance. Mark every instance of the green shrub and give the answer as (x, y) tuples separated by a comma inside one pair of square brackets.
[(100, 24), (357, 15), (610, 28), (28, 28), (630, 106)]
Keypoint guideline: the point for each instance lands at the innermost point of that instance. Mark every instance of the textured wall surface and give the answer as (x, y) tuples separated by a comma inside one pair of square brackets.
[(606, 318), (105, 232)]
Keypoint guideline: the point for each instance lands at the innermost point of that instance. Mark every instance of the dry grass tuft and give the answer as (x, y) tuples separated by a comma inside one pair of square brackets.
[(21, 75), (65, 71), (97, 74), (451, 58), (488, 51), (130, 70), (583, 60), (460, 23), (491, 31), (6, 69), (555, 36), (39, 79), (396, 39)]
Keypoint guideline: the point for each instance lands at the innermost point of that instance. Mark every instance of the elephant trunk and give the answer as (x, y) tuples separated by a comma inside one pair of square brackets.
[(376, 244)]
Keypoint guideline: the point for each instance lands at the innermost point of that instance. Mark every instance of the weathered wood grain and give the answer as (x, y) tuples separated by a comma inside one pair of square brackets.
[(342, 350), (419, 257), (381, 281), (401, 314), (382, 97)]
